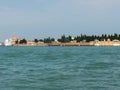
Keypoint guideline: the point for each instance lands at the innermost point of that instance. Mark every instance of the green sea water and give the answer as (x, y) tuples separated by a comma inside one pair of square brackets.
[(59, 68)]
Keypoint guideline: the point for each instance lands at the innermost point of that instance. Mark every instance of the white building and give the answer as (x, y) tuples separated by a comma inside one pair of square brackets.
[(8, 42)]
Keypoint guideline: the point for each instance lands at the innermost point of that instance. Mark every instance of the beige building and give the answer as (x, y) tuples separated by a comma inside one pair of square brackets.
[(107, 43)]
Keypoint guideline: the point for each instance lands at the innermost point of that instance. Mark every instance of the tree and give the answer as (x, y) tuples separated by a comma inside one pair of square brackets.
[(70, 38), (23, 41), (41, 40), (65, 39), (16, 42), (52, 39), (78, 38), (48, 40), (36, 40)]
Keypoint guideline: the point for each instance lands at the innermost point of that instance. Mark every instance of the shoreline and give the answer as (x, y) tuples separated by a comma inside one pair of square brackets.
[(93, 43)]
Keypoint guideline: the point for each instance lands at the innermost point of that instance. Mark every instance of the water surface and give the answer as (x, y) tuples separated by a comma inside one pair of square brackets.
[(60, 68)]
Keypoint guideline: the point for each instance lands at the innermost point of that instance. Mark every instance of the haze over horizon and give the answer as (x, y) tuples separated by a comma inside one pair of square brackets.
[(43, 18)]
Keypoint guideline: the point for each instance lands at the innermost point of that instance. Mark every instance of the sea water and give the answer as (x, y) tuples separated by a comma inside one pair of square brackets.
[(59, 68)]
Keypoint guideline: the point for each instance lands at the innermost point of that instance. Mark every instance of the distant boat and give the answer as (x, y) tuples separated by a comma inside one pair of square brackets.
[(8, 42)]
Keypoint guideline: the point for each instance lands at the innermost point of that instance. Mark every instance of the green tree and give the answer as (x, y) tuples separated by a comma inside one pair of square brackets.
[(16, 42), (36, 40), (41, 40), (49, 40), (23, 41)]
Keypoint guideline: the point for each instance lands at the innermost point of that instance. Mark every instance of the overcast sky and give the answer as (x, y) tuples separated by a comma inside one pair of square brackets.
[(43, 18)]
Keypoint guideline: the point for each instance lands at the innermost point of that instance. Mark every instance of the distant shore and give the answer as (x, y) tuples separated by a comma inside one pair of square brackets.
[(82, 40), (93, 43)]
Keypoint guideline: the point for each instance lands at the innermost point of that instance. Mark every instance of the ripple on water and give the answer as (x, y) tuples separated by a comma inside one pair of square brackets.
[(60, 68)]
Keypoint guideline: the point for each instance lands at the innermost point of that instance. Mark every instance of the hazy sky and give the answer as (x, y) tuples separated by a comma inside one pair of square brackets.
[(43, 18)]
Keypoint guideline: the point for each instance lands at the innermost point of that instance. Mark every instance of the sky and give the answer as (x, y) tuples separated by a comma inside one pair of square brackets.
[(43, 18)]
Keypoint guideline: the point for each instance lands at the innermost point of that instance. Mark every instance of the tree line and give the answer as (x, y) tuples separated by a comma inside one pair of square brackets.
[(79, 38), (102, 37), (82, 37), (22, 41)]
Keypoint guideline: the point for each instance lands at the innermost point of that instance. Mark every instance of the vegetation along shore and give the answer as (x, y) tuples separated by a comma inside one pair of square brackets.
[(80, 40)]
